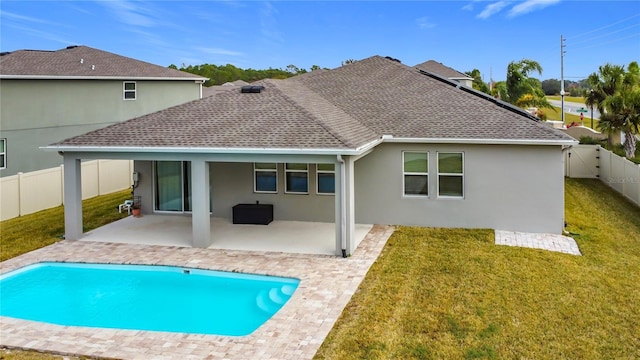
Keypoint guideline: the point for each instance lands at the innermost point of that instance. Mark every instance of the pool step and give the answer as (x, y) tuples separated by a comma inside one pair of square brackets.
[(271, 300)]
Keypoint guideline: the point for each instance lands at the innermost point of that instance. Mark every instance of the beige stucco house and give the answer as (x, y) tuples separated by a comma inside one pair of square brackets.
[(437, 68), (47, 96), (372, 142)]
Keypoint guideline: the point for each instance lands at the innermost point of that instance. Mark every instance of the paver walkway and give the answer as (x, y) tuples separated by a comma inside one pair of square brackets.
[(295, 332), (551, 242)]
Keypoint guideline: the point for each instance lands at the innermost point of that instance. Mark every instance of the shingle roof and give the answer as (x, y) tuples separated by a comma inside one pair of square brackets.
[(344, 108), (435, 67), (82, 62)]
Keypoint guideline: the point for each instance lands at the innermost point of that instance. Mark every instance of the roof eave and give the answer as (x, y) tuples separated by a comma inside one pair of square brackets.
[(194, 150), (392, 139), (83, 77)]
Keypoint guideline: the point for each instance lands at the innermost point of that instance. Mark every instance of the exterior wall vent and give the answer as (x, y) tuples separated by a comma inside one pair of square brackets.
[(251, 89)]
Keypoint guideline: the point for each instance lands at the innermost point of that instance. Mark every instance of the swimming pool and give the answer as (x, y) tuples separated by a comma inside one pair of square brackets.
[(141, 297)]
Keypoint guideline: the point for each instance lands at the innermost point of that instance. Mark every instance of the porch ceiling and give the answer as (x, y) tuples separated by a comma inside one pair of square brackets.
[(175, 230)]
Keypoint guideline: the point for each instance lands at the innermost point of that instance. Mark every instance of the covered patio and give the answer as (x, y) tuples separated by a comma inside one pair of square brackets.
[(175, 230)]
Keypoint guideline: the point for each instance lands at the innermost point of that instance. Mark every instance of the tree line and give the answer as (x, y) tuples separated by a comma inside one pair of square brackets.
[(219, 75)]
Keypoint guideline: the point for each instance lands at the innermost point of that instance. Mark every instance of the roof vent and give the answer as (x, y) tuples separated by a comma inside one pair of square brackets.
[(81, 61), (393, 59), (93, 67), (5, 53), (72, 46), (251, 89)]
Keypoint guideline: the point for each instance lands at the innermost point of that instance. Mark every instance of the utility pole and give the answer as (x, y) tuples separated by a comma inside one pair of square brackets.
[(562, 46)]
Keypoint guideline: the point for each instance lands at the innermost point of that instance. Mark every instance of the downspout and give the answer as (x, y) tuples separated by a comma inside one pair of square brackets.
[(343, 206)]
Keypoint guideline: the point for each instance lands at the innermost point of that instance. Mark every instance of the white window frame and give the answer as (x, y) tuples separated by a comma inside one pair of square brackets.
[(286, 179), (3, 152), (318, 172), (125, 90), (255, 178), (404, 194), (450, 174)]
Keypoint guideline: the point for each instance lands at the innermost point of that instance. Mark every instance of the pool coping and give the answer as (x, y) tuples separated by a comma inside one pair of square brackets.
[(295, 332)]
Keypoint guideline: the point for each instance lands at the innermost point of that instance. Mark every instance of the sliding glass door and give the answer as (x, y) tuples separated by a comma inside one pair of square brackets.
[(173, 186)]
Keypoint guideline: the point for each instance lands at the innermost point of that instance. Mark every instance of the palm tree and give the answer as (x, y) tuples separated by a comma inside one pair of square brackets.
[(616, 93), (522, 90)]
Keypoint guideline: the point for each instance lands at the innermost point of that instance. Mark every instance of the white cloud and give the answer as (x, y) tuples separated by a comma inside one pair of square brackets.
[(468, 7), (529, 6), (493, 8), (130, 12), (13, 16), (218, 51), (269, 23), (424, 23)]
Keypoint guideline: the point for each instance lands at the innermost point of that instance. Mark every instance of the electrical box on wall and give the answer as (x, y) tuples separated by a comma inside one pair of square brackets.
[(134, 176)]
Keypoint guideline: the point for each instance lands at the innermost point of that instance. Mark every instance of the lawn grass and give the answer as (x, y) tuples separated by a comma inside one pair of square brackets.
[(576, 99), (453, 294), (26, 233)]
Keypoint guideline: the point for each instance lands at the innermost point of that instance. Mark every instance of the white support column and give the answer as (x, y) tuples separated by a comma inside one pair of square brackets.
[(349, 201), (339, 219), (72, 198), (200, 217), (345, 205)]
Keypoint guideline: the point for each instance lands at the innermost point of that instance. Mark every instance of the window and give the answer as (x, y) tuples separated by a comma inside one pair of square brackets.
[(451, 175), (129, 89), (3, 153), (326, 174), (265, 177), (297, 178), (416, 173)]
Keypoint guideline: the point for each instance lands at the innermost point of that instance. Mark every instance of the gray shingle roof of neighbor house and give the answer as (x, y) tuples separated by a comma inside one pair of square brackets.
[(435, 67), (82, 62), (342, 109), (212, 90)]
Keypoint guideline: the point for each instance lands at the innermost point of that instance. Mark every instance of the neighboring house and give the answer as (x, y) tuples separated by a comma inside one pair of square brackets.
[(372, 142), (437, 68), (47, 96)]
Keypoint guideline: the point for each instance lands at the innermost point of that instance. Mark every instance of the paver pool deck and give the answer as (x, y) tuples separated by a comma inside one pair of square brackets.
[(295, 332)]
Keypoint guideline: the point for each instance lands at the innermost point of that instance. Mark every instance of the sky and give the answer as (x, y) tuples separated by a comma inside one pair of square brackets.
[(469, 34)]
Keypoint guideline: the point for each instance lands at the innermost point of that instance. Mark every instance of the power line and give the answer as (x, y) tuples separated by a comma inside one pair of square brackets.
[(604, 27), (607, 34), (608, 42)]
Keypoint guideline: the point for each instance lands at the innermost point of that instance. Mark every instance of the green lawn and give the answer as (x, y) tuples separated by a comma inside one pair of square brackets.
[(33, 231), (576, 99), (453, 294)]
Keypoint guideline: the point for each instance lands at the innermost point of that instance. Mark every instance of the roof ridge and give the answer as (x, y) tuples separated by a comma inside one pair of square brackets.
[(308, 101)]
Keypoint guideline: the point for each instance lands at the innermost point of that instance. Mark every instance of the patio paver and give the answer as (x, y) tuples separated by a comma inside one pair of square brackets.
[(551, 242), (295, 332)]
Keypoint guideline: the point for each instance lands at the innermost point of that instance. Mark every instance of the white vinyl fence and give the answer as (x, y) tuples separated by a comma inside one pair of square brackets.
[(593, 161), (26, 193)]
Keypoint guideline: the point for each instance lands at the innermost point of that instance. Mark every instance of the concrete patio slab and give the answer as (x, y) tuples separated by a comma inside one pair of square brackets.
[(295, 332), (175, 230)]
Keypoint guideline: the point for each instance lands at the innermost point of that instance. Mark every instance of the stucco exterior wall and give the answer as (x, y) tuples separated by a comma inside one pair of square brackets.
[(232, 184), (36, 113), (517, 188)]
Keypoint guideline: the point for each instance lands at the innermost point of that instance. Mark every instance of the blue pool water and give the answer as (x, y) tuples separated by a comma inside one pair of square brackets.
[(136, 297)]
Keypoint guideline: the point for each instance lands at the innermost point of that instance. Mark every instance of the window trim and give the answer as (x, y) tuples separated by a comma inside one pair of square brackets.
[(3, 165), (318, 172), (450, 174), (255, 178), (286, 179), (125, 90), (419, 196)]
